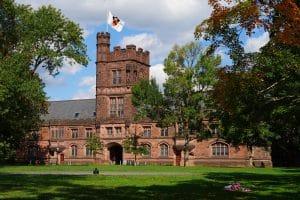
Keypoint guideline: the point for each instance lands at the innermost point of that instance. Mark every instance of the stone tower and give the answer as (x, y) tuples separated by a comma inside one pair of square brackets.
[(116, 72)]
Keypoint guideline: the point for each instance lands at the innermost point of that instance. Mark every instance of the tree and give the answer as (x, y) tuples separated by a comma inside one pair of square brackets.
[(30, 39), (45, 36), (258, 97), (22, 101), (241, 110), (131, 145), (182, 105), (95, 145)]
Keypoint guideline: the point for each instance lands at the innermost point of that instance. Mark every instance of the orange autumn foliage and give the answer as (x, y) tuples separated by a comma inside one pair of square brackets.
[(281, 18)]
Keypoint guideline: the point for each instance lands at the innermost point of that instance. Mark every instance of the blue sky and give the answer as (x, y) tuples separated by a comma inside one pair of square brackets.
[(154, 25)]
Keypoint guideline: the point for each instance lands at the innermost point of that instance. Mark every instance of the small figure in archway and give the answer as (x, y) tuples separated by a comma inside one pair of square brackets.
[(96, 171)]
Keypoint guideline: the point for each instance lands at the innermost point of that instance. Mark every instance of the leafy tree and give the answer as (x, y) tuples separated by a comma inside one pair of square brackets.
[(45, 36), (30, 39), (22, 100), (95, 144), (258, 97), (182, 105), (131, 145)]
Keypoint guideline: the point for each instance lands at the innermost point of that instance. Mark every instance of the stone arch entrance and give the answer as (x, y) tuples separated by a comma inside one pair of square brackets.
[(115, 153)]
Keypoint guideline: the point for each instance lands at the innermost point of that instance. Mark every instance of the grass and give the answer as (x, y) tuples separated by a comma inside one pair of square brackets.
[(201, 183)]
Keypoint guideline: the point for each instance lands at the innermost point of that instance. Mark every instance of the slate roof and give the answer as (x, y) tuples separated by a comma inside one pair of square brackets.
[(71, 109)]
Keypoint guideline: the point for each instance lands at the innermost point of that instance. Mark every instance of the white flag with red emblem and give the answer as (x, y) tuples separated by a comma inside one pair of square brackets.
[(115, 22)]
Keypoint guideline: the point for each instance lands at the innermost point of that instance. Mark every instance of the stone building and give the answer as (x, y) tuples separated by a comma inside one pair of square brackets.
[(64, 135)]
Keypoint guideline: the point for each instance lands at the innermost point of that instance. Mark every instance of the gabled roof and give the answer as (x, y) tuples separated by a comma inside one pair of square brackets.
[(71, 109)]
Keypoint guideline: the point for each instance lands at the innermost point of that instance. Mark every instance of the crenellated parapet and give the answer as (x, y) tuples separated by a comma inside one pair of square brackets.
[(103, 37), (119, 54), (130, 53)]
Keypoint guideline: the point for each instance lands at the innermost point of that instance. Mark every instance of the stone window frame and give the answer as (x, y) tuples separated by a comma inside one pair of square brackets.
[(116, 76), (88, 152), (220, 149), (118, 130), (147, 131), (89, 132), (116, 106), (74, 151), (164, 132), (164, 150), (74, 133), (57, 132), (109, 131)]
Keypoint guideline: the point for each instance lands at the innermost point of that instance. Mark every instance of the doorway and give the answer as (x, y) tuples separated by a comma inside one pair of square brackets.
[(115, 153)]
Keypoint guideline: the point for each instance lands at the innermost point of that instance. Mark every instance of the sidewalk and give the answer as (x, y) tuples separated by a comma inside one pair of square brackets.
[(91, 173)]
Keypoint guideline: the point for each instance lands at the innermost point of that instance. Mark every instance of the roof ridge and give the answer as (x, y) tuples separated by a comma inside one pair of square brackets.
[(71, 100)]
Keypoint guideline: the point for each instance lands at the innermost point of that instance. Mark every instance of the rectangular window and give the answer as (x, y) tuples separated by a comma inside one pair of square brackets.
[(89, 132), (135, 75), (127, 75), (119, 77), (57, 132), (73, 151), (116, 107), (116, 77), (164, 132), (147, 131), (120, 107), (109, 131), (118, 131), (113, 107), (88, 152), (74, 133)]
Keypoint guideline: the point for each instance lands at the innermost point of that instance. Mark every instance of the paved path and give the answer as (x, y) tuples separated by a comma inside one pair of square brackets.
[(91, 173)]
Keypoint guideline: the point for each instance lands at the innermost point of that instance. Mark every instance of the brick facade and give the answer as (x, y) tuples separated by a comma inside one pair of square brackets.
[(116, 72)]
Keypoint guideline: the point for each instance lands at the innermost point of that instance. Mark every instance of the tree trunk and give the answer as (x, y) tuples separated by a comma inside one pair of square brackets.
[(184, 157), (251, 156)]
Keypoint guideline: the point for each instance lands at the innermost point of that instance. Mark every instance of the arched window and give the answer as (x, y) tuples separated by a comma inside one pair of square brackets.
[(164, 150), (74, 151), (88, 152), (220, 149), (148, 148)]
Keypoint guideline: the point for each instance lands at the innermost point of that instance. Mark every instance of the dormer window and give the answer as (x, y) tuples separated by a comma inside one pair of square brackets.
[(76, 115)]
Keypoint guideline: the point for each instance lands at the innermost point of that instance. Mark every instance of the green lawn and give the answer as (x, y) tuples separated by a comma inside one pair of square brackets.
[(201, 183)]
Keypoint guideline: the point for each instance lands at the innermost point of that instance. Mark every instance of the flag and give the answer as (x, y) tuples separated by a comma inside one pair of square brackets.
[(115, 22)]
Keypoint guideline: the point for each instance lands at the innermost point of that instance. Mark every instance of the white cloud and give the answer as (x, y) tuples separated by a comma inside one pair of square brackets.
[(87, 88), (253, 44), (149, 42), (85, 94), (157, 72), (50, 80), (158, 24), (71, 69), (170, 21), (88, 81), (87, 32)]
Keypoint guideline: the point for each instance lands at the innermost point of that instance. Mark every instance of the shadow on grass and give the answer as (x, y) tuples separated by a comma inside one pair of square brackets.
[(207, 186)]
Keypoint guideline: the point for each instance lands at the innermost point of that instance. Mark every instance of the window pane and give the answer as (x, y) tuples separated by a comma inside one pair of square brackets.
[(74, 151), (147, 131), (89, 132), (74, 133), (220, 149), (164, 150)]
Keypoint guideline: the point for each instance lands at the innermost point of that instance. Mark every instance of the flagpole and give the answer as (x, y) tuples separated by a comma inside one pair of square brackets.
[(106, 5), (106, 19)]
